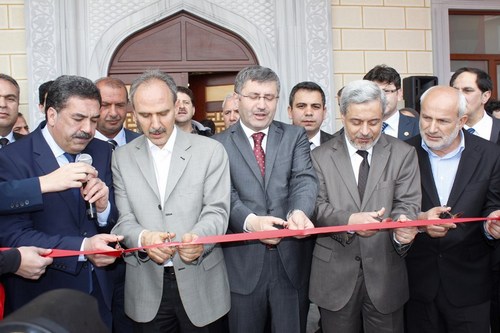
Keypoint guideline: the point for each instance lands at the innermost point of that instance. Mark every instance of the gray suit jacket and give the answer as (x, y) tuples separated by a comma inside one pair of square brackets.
[(290, 183), (197, 198), (393, 183)]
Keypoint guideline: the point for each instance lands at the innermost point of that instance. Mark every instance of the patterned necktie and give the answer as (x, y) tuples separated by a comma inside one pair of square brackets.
[(4, 142), (364, 169), (260, 156), (471, 130), (113, 144), (384, 126)]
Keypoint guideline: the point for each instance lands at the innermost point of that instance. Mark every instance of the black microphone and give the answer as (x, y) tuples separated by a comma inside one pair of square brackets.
[(89, 207)]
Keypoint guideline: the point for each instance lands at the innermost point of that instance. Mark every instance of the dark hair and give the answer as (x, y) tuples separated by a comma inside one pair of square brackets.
[(43, 89), (309, 86), (10, 79), (150, 75), (67, 86), (255, 73), (492, 105), (187, 91), (483, 80), (112, 82), (384, 74)]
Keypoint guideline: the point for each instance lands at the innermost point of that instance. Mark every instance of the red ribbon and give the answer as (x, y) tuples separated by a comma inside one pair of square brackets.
[(280, 233)]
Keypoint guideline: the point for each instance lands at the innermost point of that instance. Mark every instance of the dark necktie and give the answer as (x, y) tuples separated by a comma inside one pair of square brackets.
[(384, 126), (4, 142), (75, 191), (471, 130), (364, 169), (113, 144), (260, 156)]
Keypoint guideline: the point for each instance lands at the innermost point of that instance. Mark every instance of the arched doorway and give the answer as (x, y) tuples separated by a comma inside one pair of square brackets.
[(197, 53)]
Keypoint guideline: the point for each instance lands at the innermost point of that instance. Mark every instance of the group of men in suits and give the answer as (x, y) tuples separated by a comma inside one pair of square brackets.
[(260, 174)]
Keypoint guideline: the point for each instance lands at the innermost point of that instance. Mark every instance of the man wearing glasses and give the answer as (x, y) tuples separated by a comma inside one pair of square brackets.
[(273, 186), (394, 123)]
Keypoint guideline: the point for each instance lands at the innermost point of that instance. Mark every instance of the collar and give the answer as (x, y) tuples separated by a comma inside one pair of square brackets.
[(316, 139), (483, 126), (393, 121), (249, 132), (54, 147), (451, 154), (119, 138)]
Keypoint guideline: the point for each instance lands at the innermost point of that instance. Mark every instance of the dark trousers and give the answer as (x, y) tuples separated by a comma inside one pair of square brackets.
[(440, 316), (121, 322), (495, 301), (171, 316), (274, 304), (359, 313), (105, 313)]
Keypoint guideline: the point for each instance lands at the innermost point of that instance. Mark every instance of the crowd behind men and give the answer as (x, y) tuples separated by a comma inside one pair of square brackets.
[(258, 175)]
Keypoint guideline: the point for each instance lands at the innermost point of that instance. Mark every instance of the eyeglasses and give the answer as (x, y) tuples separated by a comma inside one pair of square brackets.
[(256, 97), (389, 91)]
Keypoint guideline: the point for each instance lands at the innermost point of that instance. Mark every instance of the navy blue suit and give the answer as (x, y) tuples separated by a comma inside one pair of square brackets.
[(61, 224), (130, 135), (22, 195), (408, 127)]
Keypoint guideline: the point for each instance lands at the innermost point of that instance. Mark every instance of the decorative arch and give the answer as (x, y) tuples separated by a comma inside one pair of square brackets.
[(180, 44)]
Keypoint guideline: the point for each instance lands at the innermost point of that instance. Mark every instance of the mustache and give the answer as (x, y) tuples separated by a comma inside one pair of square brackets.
[(82, 135), (157, 131)]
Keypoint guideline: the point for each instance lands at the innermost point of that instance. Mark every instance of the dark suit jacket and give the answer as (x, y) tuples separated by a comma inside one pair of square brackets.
[(459, 263), (10, 260), (61, 224), (290, 183), (131, 135), (408, 127), (393, 183), (324, 137), (23, 195), (495, 130)]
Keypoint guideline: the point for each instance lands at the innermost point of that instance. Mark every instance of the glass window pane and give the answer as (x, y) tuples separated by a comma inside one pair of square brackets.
[(475, 34)]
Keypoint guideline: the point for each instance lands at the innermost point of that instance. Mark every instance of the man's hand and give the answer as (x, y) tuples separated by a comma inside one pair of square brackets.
[(70, 175), (96, 191), (405, 235), (298, 220), (33, 262), (100, 242), (190, 252), (436, 230), (158, 254), (262, 223), (366, 217), (492, 225)]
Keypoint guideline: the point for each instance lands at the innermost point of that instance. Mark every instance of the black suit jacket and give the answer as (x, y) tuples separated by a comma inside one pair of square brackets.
[(10, 260), (495, 130), (130, 135), (459, 263)]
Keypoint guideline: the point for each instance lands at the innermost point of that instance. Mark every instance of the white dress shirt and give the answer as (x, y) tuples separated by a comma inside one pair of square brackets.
[(119, 138), (483, 127)]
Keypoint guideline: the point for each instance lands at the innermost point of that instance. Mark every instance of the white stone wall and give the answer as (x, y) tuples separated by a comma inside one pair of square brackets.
[(331, 42)]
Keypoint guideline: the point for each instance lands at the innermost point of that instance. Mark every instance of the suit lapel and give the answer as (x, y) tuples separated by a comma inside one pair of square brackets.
[(379, 160), (427, 179), (179, 161), (46, 161), (342, 161), (275, 135), (145, 164), (243, 146), (469, 162)]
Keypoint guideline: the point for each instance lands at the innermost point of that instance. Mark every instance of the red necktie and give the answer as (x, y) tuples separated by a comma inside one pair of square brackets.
[(260, 156)]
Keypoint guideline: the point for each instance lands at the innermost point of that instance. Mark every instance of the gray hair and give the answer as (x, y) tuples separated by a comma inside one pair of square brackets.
[(227, 98), (462, 101), (151, 75), (359, 92), (255, 73)]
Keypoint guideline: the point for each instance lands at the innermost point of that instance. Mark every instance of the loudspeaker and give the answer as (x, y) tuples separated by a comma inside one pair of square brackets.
[(414, 87)]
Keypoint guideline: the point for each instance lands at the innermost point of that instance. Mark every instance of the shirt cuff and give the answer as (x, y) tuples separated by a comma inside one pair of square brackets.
[(245, 223), (102, 218), (82, 257)]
